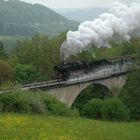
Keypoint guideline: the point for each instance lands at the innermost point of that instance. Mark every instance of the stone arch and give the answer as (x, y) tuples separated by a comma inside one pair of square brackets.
[(94, 90)]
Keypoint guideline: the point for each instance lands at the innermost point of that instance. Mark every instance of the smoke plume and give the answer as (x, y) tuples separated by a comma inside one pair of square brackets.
[(120, 22)]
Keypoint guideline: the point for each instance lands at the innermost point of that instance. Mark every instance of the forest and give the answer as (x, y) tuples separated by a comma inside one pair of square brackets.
[(20, 18)]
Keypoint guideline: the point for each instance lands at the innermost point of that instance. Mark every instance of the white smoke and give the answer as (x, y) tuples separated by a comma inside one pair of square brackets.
[(119, 23)]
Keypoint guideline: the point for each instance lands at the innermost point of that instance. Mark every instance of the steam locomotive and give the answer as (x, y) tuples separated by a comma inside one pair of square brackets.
[(67, 70), (64, 70)]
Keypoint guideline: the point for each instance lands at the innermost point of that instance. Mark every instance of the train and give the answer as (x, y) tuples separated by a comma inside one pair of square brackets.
[(66, 70)]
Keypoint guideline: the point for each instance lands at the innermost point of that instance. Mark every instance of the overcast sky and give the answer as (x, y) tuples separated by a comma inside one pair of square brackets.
[(73, 3)]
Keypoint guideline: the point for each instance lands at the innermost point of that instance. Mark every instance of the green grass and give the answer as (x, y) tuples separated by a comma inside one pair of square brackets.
[(35, 127)]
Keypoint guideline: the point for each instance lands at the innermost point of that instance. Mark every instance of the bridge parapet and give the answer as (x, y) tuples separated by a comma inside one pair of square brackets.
[(101, 73)]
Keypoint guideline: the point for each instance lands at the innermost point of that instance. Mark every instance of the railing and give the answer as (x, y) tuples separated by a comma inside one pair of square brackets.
[(93, 77)]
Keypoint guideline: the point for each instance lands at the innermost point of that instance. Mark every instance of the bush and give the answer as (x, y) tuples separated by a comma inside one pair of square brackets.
[(93, 91), (109, 109), (130, 94), (13, 103), (37, 106), (114, 109), (25, 73), (37, 103), (54, 107), (6, 72), (93, 109), (6, 101)]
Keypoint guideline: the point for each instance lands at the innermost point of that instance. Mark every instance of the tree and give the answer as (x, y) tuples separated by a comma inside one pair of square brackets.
[(2, 52), (130, 94), (25, 73), (6, 71), (114, 109), (93, 108), (41, 52)]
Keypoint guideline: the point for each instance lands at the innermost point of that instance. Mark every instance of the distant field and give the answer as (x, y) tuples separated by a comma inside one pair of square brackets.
[(35, 127)]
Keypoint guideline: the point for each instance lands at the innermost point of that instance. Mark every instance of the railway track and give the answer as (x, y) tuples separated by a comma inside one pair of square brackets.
[(44, 85), (39, 83)]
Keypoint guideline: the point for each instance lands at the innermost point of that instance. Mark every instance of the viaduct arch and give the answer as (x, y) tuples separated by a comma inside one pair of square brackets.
[(69, 93)]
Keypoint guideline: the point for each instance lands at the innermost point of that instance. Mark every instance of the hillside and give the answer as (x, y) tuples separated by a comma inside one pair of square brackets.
[(20, 18), (82, 14)]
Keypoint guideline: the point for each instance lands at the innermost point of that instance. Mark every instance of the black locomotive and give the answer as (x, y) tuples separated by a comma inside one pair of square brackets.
[(63, 70)]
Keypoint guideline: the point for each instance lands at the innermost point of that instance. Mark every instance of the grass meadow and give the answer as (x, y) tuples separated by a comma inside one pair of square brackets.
[(42, 127)]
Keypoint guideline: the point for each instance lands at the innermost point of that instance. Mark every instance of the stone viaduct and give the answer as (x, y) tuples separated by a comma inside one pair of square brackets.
[(68, 94), (111, 76)]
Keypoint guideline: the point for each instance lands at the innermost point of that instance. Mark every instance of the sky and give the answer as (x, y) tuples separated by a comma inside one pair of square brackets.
[(74, 3)]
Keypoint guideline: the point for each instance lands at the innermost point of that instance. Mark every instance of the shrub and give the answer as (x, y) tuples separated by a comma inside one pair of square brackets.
[(93, 91), (37, 106), (6, 72), (37, 103), (54, 107), (20, 106), (25, 73), (13, 103), (114, 109), (130, 94), (6, 101), (109, 109), (93, 109)]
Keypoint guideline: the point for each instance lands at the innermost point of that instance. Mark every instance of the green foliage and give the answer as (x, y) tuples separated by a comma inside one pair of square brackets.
[(136, 43), (37, 106), (109, 109), (20, 18), (93, 109), (2, 51), (37, 103), (55, 107), (12, 103), (114, 109), (130, 94), (6, 71), (25, 73), (127, 48), (93, 91), (41, 52)]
